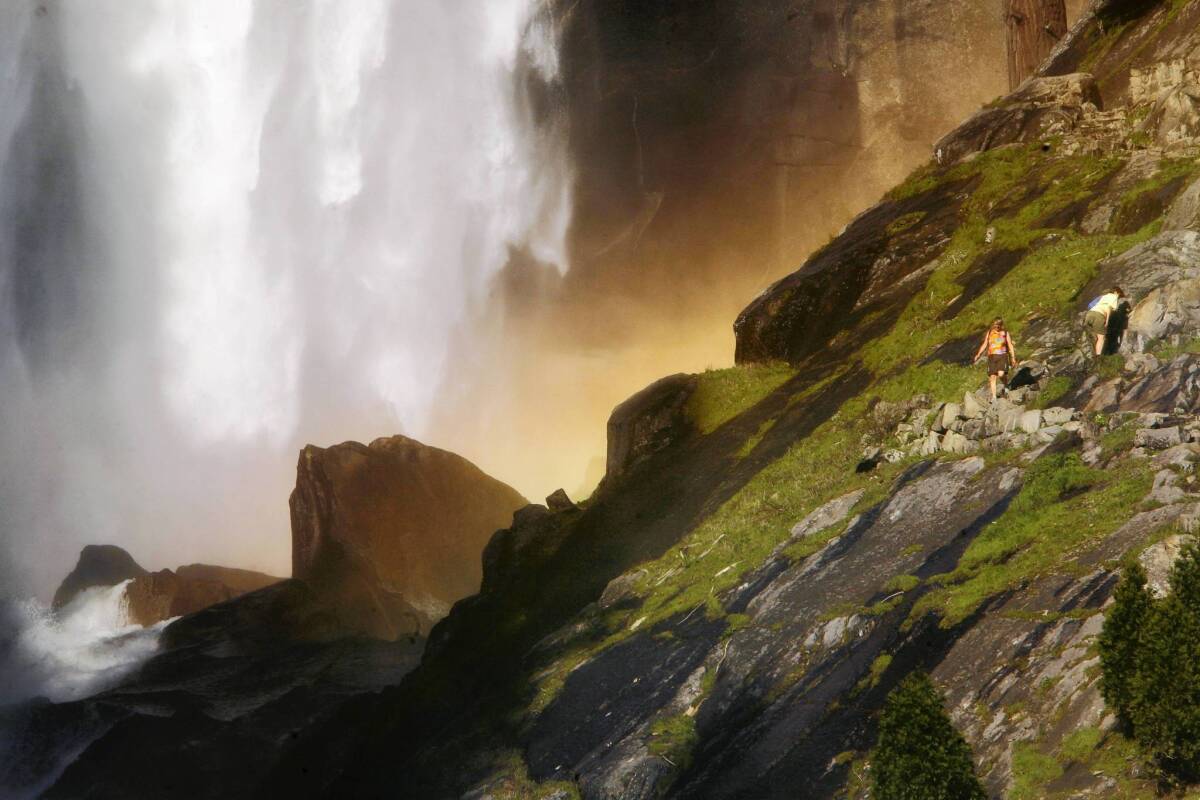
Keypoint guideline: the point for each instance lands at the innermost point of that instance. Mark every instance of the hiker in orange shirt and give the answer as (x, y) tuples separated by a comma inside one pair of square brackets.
[(1001, 353)]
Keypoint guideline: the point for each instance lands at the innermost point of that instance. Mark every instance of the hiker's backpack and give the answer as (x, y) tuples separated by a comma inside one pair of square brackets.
[(1094, 302)]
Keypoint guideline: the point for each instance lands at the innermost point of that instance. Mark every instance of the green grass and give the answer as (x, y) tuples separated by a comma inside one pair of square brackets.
[(1053, 390), (673, 739), (1166, 352), (511, 781), (1031, 770), (1062, 507), (724, 393), (1081, 744)]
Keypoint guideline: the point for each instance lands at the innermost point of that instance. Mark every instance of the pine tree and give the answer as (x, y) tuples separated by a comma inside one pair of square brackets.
[(1165, 691), (1119, 640), (920, 755)]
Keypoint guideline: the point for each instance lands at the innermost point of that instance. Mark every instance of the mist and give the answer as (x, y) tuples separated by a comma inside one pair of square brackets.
[(229, 229)]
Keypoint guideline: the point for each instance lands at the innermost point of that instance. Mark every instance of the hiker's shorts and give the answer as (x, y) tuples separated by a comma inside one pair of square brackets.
[(997, 364), (1094, 322)]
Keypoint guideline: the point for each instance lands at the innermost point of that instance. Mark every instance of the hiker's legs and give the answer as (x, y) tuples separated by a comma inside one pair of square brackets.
[(1099, 344), (992, 384), (997, 383)]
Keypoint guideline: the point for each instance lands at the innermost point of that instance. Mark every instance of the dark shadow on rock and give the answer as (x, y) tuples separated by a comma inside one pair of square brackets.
[(1118, 322)]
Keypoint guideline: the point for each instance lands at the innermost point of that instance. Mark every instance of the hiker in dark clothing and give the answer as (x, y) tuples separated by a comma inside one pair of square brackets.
[(1001, 353)]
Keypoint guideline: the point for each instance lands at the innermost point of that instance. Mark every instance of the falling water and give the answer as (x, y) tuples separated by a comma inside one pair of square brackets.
[(230, 228)]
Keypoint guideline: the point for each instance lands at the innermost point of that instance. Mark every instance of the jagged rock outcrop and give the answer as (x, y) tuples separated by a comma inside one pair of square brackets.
[(165, 594), (1041, 106), (151, 597), (647, 422), (98, 565), (390, 534)]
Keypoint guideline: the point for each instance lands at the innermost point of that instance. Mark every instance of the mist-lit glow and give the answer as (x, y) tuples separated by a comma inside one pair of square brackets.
[(277, 215)]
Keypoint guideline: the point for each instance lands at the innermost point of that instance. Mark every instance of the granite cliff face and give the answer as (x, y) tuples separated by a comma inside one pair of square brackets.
[(390, 533)]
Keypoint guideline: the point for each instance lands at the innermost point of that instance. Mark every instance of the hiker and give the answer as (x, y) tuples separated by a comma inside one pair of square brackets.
[(1001, 353), (1099, 315)]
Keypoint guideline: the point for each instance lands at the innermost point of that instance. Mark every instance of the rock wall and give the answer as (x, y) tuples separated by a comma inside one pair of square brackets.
[(391, 533)]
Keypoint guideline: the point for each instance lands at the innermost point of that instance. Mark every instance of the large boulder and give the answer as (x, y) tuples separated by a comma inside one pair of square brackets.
[(98, 565), (390, 534), (1168, 258), (648, 422)]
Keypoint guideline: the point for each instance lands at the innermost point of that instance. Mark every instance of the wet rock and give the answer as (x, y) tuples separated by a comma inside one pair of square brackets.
[(1157, 438), (649, 421), (390, 534), (165, 594), (98, 565)]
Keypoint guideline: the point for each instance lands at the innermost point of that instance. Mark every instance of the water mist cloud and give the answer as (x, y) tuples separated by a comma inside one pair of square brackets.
[(234, 228)]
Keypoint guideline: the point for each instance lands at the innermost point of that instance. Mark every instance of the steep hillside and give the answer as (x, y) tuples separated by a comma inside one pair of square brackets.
[(725, 618)]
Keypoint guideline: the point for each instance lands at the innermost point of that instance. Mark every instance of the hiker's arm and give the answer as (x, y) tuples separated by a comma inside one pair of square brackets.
[(1012, 349)]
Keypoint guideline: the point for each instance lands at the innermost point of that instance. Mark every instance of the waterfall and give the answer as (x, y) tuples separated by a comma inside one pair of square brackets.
[(230, 228)]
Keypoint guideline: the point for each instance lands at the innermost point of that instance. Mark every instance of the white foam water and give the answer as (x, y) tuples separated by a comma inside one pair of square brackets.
[(84, 648)]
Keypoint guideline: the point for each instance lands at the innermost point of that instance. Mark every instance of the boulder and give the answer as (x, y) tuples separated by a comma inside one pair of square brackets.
[(390, 534), (957, 443), (1057, 416), (1158, 559), (950, 414), (1165, 490), (1030, 421), (1168, 258), (1172, 388), (971, 407), (1157, 438), (1170, 310), (98, 565), (649, 421)]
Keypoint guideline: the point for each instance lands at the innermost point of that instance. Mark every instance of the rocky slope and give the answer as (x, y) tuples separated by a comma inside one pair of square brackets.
[(390, 533), (151, 597), (725, 618), (785, 540)]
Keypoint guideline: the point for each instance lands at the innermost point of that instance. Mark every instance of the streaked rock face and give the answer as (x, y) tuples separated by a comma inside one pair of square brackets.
[(391, 534)]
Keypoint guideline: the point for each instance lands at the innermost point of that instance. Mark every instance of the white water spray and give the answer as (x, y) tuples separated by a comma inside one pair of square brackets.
[(86, 646), (230, 228)]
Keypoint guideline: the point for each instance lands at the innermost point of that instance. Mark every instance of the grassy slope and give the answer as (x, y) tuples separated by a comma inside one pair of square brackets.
[(1064, 506)]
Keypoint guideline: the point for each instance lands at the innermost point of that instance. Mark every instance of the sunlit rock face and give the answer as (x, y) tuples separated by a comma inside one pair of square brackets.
[(390, 534)]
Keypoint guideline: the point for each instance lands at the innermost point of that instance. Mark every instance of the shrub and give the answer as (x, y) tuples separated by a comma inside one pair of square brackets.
[(1119, 640), (920, 755)]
